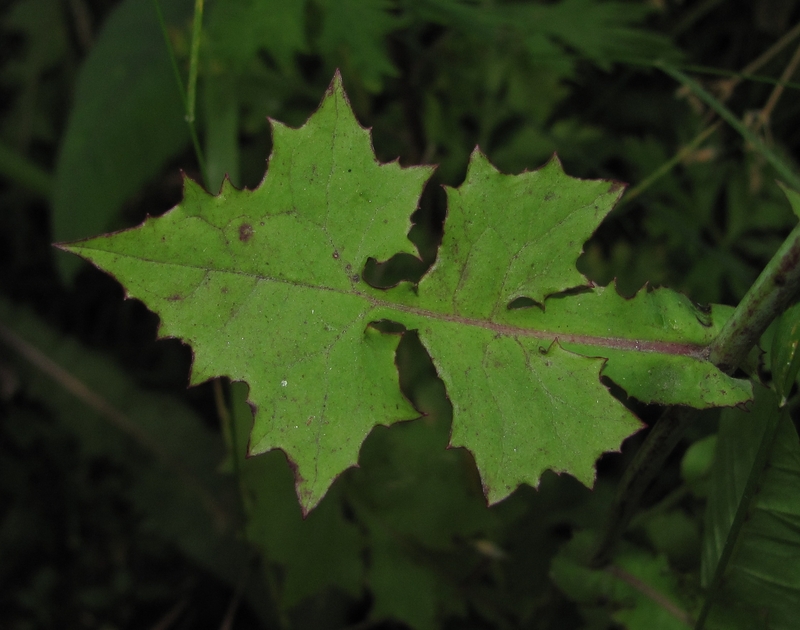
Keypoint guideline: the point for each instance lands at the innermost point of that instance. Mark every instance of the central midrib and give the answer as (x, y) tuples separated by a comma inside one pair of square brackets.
[(616, 343)]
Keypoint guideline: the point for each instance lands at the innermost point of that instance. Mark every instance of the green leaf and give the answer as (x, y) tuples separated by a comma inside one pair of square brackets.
[(297, 333), (415, 499), (785, 356), (323, 550), (265, 286), (638, 591), (751, 553), (602, 32), (354, 33), (222, 130), (238, 29), (126, 122), (697, 463)]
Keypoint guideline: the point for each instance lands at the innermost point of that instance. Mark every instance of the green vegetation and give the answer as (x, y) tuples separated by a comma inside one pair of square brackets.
[(347, 318)]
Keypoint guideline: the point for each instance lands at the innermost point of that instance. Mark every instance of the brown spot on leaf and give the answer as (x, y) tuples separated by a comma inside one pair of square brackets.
[(355, 277), (174, 298), (615, 186), (336, 255), (245, 232), (224, 289)]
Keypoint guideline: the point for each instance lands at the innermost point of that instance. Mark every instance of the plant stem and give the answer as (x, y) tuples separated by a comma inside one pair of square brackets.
[(771, 293), (663, 437), (727, 87), (782, 168), (764, 115), (201, 162), (667, 166), (194, 55)]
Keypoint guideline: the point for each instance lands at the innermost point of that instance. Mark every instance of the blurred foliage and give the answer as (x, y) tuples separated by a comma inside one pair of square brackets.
[(98, 530)]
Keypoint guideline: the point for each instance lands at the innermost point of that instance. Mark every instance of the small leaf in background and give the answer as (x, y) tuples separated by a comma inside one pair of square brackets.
[(361, 50), (237, 30), (785, 354), (605, 34), (46, 44), (221, 118), (753, 518), (638, 591), (418, 500), (127, 120), (697, 463), (308, 554)]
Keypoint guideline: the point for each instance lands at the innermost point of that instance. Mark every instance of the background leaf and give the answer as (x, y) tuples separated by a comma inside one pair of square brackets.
[(637, 591), (362, 50), (169, 454), (785, 358), (753, 515), (127, 121)]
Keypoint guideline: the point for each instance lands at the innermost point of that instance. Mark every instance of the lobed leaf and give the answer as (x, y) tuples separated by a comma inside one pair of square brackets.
[(265, 286), (638, 591)]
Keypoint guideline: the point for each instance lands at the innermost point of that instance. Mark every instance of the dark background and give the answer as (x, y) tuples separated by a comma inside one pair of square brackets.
[(93, 138)]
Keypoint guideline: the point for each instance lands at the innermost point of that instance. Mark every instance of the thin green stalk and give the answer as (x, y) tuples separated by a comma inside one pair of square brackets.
[(764, 449), (773, 291), (19, 169), (201, 162), (228, 425), (194, 55), (165, 33), (738, 76), (783, 169), (648, 461), (697, 12), (667, 166)]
